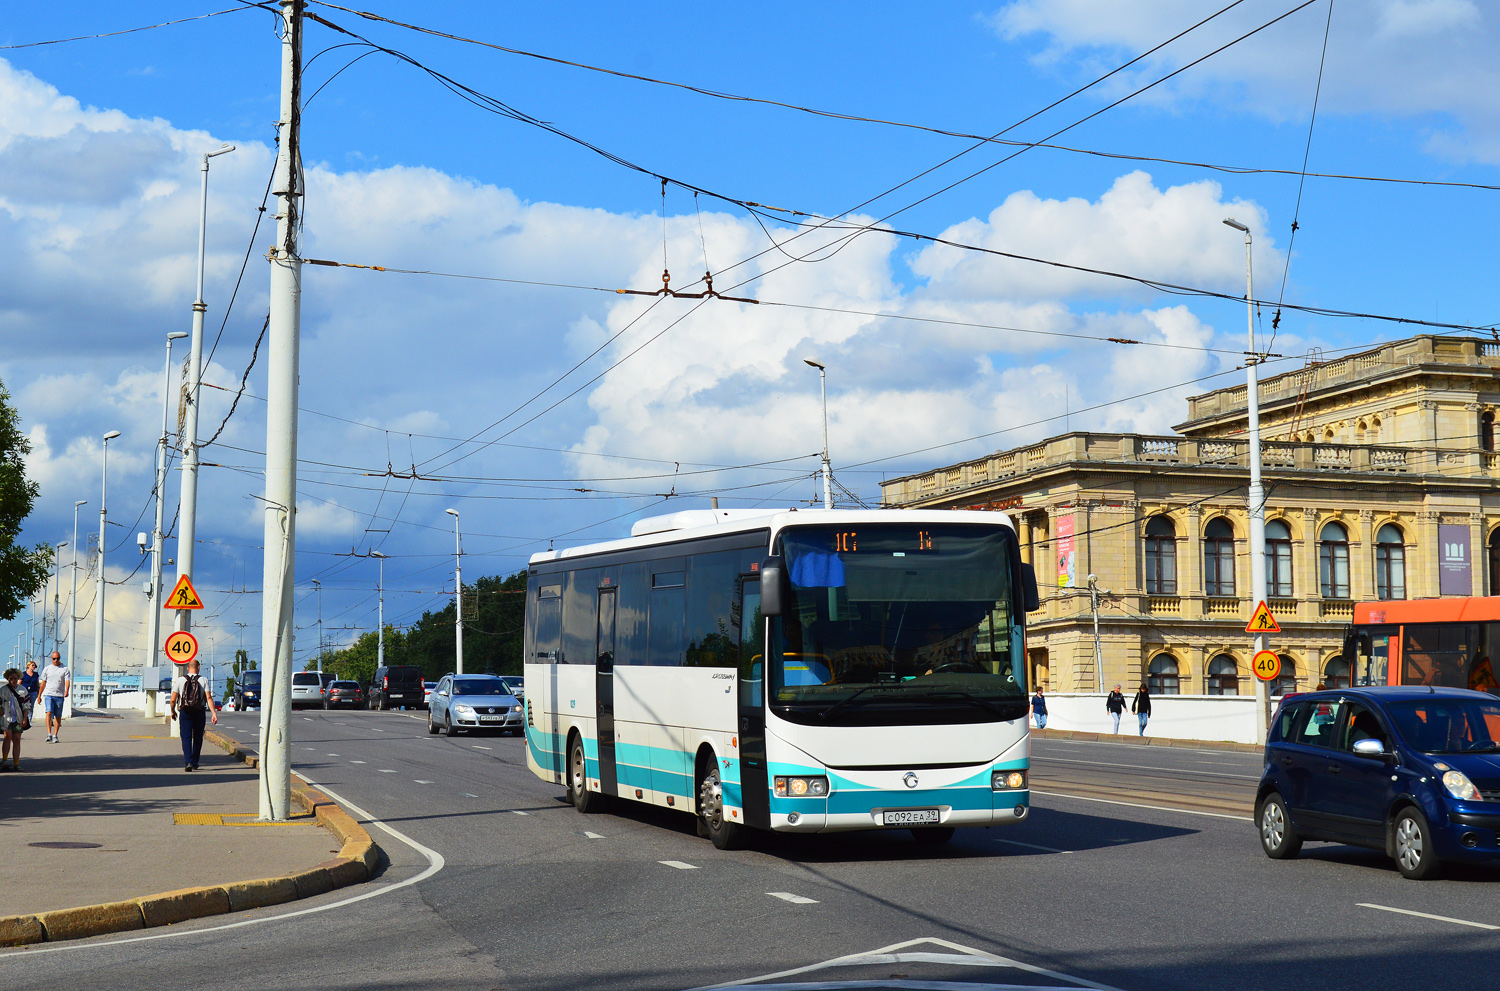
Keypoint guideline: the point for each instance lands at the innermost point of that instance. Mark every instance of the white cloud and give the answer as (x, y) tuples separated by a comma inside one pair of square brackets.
[(1414, 58)]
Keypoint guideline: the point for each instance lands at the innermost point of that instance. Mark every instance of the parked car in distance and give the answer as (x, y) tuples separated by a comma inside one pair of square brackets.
[(427, 687), (247, 691), (1413, 771), (516, 684), (473, 702), (343, 693), (307, 688), (396, 684)]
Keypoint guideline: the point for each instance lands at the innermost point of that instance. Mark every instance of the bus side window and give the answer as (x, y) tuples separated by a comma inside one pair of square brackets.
[(752, 644)]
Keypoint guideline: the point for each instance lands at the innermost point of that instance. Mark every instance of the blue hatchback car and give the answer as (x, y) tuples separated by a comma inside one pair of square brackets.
[(1412, 771)]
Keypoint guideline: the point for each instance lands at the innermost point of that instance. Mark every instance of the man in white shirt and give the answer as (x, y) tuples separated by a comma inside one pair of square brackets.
[(57, 681), (192, 704)]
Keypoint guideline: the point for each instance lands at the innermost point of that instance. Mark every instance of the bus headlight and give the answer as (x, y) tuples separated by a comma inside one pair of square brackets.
[(810, 787), (1008, 780)]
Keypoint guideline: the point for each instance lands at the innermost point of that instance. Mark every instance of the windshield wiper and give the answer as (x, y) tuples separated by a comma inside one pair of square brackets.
[(972, 698), (828, 712)]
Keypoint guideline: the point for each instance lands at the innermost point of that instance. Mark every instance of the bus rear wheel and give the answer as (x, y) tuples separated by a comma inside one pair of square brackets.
[(725, 835), (583, 800)]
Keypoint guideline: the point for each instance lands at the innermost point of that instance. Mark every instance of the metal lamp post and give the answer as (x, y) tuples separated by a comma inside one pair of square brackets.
[(380, 614), (73, 603), (1094, 592), (99, 598), (827, 471), (458, 598), (318, 587), (153, 589), (1256, 498)]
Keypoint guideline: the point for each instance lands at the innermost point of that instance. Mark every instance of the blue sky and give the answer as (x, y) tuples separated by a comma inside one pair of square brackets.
[(98, 207)]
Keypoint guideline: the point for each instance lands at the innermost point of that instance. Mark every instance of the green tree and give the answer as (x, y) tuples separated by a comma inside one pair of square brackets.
[(242, 663), (23, 570)]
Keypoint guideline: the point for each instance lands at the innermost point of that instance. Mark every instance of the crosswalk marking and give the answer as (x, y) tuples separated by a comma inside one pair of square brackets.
[(787, 896), (678, 864)]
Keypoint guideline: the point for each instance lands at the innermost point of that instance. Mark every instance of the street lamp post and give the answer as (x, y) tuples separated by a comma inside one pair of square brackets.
[(380, 614), (153, 590), (73, 603), (318, 586), (458, 598), (1094, 591), (827, 471), (1256, 498), (56, 599), (99, 598), (187, 524)]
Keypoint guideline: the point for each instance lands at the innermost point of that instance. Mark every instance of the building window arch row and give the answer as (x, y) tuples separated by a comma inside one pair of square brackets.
[(1165, 673), (1336, 672), (1286, 681), (1390, 559), (1221, 674), (1160, 533), (1281, 537), (1218, 556), (1334, 539)]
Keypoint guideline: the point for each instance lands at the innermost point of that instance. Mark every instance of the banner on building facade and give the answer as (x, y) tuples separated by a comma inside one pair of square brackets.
[(1454, 576), (1067, 570)]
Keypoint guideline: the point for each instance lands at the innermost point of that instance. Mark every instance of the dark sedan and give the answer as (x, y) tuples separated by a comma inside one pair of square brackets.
[(343, 693)]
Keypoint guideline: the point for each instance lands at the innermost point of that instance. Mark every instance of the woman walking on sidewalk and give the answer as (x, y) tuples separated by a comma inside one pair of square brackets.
[(1141, 706), (192, 703), (15, 719), (1114, 704), (1039, 708)]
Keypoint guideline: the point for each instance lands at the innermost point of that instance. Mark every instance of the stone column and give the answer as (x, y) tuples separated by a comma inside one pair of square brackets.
[(1479, 558), (1306, 580), (1190, 556), (1362, 558), (1422, 560)]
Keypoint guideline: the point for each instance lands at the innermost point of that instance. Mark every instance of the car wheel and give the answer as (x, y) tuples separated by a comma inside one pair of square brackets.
[(1415, 857), (724, 834), (583, 800), (1277, 837), (933, 835), (431, 726)]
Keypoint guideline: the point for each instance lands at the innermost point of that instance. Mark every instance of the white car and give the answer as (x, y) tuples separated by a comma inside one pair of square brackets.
[(307, 689)]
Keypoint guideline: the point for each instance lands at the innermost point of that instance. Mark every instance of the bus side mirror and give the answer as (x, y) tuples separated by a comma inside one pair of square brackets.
[(773, 586), (1351, 644), (1031, 599)]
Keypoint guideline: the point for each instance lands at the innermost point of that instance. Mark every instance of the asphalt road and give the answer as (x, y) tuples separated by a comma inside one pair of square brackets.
[(1133, 872)]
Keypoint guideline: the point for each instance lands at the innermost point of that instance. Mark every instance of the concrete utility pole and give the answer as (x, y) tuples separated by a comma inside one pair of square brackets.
[(99, 598), (458, 598), (73, 608), (318, 586), (1098, 651), (1256, 499), (281, 434), (56, 601), (153, 589), (187, 523), (380, 614), (827, 469)]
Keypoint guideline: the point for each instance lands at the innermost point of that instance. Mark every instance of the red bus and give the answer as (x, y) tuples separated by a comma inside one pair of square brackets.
[(1443, 642)]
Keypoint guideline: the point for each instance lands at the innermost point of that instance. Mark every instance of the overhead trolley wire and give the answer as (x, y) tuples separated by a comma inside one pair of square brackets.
[(115, 34)]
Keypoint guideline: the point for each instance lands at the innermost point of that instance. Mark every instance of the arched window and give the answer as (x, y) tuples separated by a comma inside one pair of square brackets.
[(1495, 563), (1487, 430), (1375, 430), (1359, 432), (1333, 561), (1223, 676), (1161, 675), (1278, 559), (1161, 556), (1337, 673), (1218, 557), (1390, 563), (1286, 681)]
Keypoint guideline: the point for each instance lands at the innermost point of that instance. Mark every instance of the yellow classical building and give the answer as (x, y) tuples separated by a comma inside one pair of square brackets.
[(1381, 479)]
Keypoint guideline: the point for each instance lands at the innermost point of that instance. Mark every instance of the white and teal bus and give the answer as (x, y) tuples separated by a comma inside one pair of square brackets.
[(795, 671)]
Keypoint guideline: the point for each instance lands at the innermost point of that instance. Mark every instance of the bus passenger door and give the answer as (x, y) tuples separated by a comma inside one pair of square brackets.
[(604, 690), (754, 785)]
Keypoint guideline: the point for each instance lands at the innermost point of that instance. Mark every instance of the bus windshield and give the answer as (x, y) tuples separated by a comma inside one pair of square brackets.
[(900, 616)]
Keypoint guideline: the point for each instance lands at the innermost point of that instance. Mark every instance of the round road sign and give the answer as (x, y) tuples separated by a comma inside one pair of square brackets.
[(1267, 665), (182, 647)]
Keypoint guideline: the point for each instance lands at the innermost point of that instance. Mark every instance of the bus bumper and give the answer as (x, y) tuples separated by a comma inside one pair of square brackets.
[(888, 800)]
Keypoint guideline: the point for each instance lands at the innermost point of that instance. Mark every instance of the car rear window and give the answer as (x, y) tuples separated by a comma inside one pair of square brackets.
[(346, 684), (404, 673), (306, 678)]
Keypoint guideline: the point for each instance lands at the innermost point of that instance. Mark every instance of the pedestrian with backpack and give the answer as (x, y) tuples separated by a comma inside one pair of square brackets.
[(15, 719), (192, 705), (1114, 704)]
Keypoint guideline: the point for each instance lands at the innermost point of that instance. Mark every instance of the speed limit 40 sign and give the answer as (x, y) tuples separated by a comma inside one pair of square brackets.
[(182, 647), (1267, 665)]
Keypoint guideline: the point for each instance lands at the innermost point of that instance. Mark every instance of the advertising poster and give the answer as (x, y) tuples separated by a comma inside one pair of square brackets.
[(1067, 570), (1454, 577)]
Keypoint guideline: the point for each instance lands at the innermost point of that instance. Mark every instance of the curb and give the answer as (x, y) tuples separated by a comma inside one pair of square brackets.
[(1146, 741), (355, 864)]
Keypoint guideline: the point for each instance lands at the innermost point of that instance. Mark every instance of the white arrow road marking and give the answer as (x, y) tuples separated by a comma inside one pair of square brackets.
[(678, 864), (787, 896)]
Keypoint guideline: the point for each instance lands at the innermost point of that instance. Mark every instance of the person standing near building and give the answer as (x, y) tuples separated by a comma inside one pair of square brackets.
[(1141, 706), (192, 705), (1039, 708), (31, 684), (15, 719), (1114, 704), (56, 682)]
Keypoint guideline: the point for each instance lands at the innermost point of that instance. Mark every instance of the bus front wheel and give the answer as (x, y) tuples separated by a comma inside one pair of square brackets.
[(725, 835), (578, 784)]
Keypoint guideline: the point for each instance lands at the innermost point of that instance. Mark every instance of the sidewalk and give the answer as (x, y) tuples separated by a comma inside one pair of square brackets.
[(116, 786)]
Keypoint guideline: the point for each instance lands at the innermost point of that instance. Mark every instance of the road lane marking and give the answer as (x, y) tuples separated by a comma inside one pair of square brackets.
[(378, 730), (330, 755), (356, 762), (435, 863), (1146, 767), (478, 747), (787, 896), (518, 812), (1137, 805), (1032, 846), (386, 770), (421, 782), (467, 795), (1425, 915), (678, 864)]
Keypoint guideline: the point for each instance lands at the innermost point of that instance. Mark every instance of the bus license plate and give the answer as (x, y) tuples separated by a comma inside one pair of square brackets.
[(909, 817)]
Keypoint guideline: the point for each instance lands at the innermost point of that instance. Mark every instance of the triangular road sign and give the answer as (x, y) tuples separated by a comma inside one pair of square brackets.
[(183, 596), (1263, 621)]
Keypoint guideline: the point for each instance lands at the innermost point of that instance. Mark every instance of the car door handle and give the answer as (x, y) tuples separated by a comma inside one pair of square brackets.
[(1333, 769), (1286, 761)]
